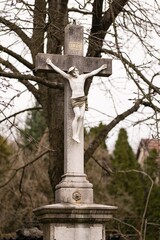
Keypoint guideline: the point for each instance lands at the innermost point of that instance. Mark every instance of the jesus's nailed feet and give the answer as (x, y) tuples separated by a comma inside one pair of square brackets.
[(76, 139)]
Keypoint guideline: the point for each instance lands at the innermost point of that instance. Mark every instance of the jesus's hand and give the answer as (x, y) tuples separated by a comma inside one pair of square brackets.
[(48, 61), (104, 66)]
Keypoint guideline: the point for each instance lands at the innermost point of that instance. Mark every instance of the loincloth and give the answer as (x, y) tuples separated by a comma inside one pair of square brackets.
[(79, 102)]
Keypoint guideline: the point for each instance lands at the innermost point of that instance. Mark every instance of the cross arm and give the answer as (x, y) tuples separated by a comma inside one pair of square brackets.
[(64, 62), (57, 69), (96, 71)]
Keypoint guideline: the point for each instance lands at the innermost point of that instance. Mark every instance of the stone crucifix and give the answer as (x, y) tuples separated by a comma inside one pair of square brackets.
[(76, 69), (78, 98)]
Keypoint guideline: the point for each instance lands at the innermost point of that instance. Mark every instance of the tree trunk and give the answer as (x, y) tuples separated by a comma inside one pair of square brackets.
[(52, 101)]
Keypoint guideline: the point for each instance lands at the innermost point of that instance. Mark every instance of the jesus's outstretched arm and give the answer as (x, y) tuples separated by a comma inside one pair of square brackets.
[(57, 69)]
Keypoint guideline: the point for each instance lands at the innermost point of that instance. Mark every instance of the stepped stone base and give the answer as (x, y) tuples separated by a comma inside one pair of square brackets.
[(74, 221)]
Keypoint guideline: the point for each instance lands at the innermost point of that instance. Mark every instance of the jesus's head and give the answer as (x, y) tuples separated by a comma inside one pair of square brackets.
[(73, 71)]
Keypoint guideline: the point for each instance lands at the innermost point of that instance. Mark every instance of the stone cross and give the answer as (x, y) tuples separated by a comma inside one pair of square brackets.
[(74, 186)]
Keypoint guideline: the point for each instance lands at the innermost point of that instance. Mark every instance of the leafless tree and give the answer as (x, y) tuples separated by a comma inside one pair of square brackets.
[(119, 29)]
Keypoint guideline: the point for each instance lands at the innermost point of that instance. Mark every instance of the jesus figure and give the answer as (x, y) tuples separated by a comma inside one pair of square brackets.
[(78, 98)]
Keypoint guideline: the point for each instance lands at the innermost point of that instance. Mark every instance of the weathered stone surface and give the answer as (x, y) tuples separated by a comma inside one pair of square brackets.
[(84, 64), (75, 213), (73, 40), (74, 188), (74, 221), (75, 231)]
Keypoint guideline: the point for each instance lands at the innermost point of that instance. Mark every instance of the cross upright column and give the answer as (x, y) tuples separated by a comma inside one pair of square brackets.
[(73, 151)]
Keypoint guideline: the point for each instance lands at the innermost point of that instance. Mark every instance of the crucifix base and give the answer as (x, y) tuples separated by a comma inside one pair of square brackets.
[(74, 188), (74, 221)]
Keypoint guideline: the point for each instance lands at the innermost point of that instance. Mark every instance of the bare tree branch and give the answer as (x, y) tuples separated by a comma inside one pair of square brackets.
[(27, 84), (130, 226), (142, 229), (13, 27), (17, 113), (84, 12), (24, 77), (100, 24), (107, 169), (22, 168), (106, 129), (17, 56), (133, 66)]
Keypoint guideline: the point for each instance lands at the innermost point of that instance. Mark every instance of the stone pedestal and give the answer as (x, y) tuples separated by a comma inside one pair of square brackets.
[(74, 221), (74, 188)]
